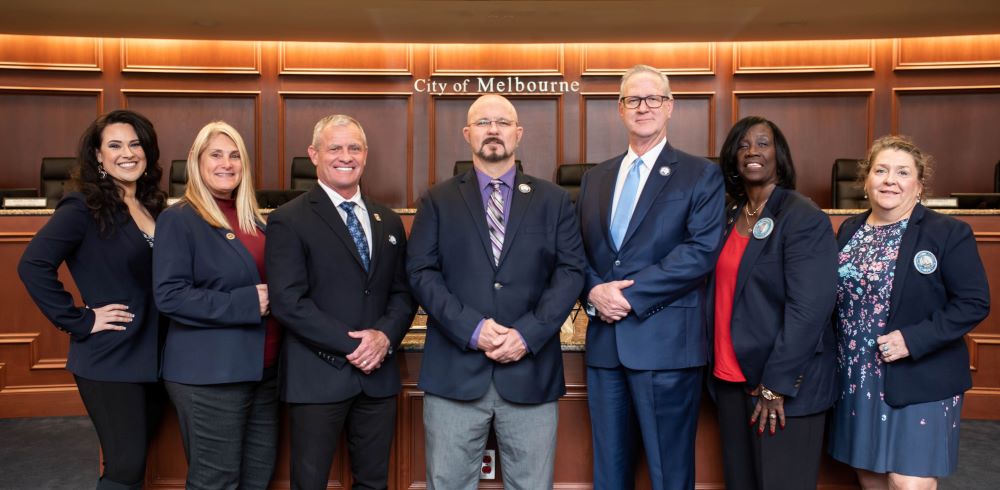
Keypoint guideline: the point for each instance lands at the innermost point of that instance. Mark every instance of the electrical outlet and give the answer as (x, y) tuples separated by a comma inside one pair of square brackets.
[(489, 465)]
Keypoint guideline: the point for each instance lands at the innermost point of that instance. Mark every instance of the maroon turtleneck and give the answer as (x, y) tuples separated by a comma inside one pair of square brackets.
[(255, 245)]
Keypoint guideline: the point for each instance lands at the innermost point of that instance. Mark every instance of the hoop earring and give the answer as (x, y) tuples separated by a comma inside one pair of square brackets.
[(100, 171)]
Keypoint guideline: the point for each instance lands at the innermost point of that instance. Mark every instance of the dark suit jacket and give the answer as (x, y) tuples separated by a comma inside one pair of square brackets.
[(786, 288), (669, 248), (113, 269), (932, 311), (205, 281), (320, 292), (454, 277)]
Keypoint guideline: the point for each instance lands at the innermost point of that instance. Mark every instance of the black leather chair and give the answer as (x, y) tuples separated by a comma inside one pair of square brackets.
[(845, 192), (303, 174), (272, 198), (178, 178), (462, 166), (53, 178), (569, 176)]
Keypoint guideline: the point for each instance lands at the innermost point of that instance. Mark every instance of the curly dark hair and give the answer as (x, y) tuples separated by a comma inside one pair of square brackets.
[(728, 157), (103, 196)]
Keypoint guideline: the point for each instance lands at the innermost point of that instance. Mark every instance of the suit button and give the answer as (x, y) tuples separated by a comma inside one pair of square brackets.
[(497, 286), (617, 263), (368, 292)]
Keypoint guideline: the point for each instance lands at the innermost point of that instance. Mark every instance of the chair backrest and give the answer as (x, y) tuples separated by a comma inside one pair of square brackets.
[(462, 166), (303, 173), (178, 178), (569, 176), (996, 177), (713, 159), (845, 193), (53, 178), (273, 198)]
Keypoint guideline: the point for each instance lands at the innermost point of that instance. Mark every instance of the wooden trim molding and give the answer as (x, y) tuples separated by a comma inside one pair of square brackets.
[(99, 93), (556, 69), (96, 50), (742, 66), (898, 92), (975, 340), (868, 92), (587, 68), (949, 45), (285, 69), (128, 65)]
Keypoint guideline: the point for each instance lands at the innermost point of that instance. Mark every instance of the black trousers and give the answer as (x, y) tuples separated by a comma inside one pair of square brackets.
[(788, 460), (126, 417), (315, 433)]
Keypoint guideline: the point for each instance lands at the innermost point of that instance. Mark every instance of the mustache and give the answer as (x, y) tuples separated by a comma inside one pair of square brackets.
[(494, 140)]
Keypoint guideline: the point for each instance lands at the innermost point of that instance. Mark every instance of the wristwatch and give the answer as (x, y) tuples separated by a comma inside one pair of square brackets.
[(769, 395)]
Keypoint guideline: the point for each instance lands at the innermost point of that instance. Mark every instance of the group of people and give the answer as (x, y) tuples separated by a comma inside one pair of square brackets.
[(692, 274)]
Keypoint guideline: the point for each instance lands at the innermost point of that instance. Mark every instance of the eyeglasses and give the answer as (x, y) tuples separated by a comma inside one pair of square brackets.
[(501, 123), (652, 101)]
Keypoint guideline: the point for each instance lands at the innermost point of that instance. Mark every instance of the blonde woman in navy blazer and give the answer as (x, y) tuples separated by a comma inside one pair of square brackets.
[(104, 234), (773, 293), (911, 286), (208, 280)]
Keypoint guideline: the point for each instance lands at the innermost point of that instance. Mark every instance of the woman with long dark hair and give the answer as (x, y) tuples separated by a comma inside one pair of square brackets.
[(103, 231)]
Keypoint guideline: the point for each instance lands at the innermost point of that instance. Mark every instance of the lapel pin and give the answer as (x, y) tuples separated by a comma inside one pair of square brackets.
[(392, 239), (763, 228), (925, 262), (230, 236), (664, 171), (377, 217), (524, 188)]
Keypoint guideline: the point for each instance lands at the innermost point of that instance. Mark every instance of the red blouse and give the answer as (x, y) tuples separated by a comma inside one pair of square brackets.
[(727, 367)]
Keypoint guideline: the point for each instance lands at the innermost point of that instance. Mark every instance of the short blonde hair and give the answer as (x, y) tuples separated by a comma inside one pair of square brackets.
[(337, 120), (197, 194), (923, 161), (640, 69)]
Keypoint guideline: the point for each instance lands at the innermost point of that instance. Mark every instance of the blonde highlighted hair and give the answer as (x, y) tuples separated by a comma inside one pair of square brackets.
[(197, 194)]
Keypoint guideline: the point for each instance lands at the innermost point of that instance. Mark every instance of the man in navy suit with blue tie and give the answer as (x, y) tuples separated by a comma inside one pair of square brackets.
[(495, 259), (651, 221)]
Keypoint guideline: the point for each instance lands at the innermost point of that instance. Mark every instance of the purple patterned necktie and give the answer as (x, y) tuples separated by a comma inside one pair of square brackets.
[(494, 218)]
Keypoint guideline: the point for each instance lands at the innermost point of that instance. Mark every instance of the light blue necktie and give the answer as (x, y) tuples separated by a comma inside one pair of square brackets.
[(623, 213), (357, 233)]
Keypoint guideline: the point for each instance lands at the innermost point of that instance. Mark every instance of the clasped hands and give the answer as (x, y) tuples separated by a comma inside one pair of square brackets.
[(609, 301), (501, 344), (369, 355)]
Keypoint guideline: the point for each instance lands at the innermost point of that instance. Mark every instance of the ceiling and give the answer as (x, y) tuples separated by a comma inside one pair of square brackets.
[(516, 21)]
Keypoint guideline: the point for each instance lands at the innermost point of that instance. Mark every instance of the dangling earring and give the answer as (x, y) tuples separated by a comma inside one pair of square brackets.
[(100, 171)]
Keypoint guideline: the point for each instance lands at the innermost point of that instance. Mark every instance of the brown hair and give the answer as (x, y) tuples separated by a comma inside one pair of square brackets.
[(923, 161)]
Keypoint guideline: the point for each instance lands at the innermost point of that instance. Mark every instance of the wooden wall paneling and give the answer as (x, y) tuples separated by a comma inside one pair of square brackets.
[(670, 58), (388, 123), (820, 126), (541, 143), (41, 122), (941, 53), (691, 128), (187, 56), (51, 53), (958, 127), (984, 341), (311, 58), (804, 56), (178, 115), (497, 59)]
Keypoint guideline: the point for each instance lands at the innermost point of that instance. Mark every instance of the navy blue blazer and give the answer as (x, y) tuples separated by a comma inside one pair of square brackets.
[(786, 288), (454, 277), (204, 281), (932, 311), (320, 291), (112, 269), (669, 248)]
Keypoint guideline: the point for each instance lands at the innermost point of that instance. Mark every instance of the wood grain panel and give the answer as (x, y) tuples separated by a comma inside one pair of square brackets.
[(820, 127), (539, 151), (922, 53), (179, 115), (958, 126), (496, 59), (308, 58), (691, 127), (670, 58), (388, 128), (41, 122), (51, 53), (184, 56), (804, 56)]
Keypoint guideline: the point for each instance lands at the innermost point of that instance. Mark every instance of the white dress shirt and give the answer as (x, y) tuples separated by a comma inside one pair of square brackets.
[(359, 210), (648, 160)]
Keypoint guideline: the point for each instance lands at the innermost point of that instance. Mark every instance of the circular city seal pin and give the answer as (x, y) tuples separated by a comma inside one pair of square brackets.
[(763, 228), (925, 262), (524, 188), (230, 236), (392, 239), (664, 171)]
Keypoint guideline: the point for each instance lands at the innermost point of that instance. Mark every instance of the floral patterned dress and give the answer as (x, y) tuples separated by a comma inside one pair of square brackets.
[(916, 440)]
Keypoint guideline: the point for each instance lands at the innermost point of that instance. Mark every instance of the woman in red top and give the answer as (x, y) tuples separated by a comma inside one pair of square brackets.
[(219, 356), (774, 291)]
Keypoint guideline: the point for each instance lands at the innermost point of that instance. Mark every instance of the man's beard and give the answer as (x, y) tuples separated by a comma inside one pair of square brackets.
[(498, 156)]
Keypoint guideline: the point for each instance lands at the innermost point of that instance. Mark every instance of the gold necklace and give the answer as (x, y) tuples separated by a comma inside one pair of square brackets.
[(748, 214)]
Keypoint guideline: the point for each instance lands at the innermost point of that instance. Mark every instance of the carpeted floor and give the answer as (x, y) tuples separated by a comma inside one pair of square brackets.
[(66, 458)]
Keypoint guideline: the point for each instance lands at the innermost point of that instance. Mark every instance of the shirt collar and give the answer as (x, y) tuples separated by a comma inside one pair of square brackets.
[(507, 178), (648, 158), (338, 199)]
